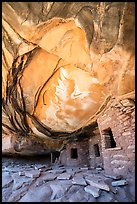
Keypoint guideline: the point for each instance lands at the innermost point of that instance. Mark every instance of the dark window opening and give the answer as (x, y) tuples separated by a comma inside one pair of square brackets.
[(96, 149), (109, 139), (74, 153)]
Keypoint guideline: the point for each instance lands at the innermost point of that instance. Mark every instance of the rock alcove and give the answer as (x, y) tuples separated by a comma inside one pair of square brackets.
[(68, 83)]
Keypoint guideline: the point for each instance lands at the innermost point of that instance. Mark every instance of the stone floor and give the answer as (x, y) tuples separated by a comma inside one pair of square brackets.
[(36, 180)]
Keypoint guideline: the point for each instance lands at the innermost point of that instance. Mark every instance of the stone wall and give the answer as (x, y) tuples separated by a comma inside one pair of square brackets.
[(82, 154), (121, 120), (95, 160)]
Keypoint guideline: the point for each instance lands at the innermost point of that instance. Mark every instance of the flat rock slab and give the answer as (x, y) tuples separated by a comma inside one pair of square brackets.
[(123, 195), (6, 179), (57, 171), (57, 165), (64, 176), (106, 197), (16, 169), (48, 176), (16, 195), (59, 189), (79, 196), (98, 184), (6, 192), (65, 182), (95, 192), (119, 183), (79, 181), (76, 169), (118, 177), (37, 194), (32, 174), (44, 178), (73, 171), (70, 171), (20, 180)]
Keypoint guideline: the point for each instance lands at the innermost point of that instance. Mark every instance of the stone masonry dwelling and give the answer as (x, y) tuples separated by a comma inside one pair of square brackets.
[(86, 152), (112, 146), (117, 129), (76, 153)]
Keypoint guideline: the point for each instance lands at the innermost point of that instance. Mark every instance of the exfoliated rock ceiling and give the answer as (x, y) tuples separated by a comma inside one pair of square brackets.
[(62, 63)]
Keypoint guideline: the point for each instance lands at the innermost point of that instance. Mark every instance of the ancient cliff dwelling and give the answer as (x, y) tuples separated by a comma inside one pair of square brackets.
[(68, 101)]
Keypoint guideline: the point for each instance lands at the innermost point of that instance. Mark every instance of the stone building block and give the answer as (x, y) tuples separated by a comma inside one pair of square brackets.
[(125, 118), (119, 128), (127, 108), (126, 133), (133, 125), (118, 162), (133, 113), (119, 113), (122, 108), (131, 141), (127, 103), (128, 111), (120, 170), (129, 128), (127, 123), (131, 147), (122, 116), (131, 155), (119, 156)]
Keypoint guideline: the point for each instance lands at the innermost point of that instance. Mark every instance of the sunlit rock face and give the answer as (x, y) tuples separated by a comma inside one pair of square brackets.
[(61, 69), (67, 100)]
